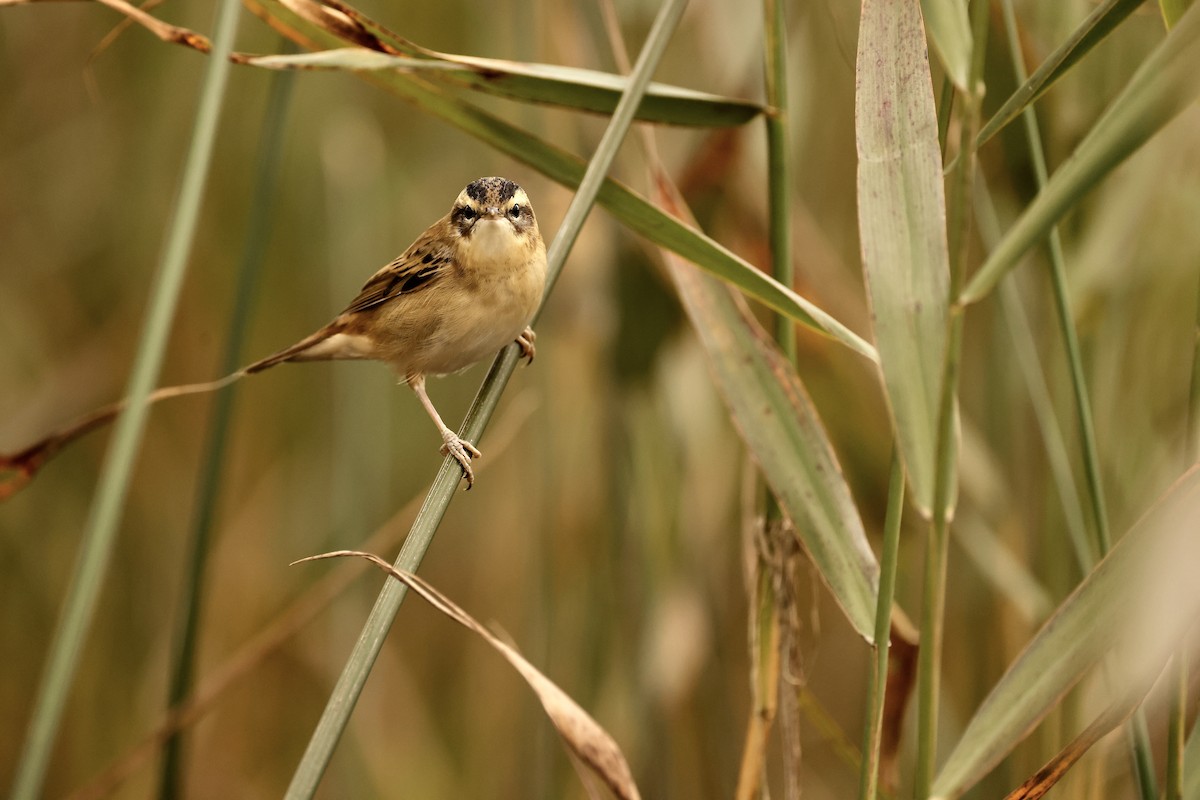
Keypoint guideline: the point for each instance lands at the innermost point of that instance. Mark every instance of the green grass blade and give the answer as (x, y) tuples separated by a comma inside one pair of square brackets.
[(950, 33), (358, 666), (1133, 603), (569, 87), (105, 513), (902, 228), (1093, 30), (208, 485), (780, 426), (1162, 87), (1172, 10), (633, 210)]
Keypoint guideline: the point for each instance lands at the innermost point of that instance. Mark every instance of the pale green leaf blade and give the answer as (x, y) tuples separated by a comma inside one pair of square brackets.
[(783, 433), (570, 87), (1165, 84), (1093, 30), (951, 36), (902, 227), (1133, 603)]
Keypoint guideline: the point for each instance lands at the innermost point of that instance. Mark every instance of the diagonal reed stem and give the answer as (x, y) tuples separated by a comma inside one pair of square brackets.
[(354, 675), (105, 513)]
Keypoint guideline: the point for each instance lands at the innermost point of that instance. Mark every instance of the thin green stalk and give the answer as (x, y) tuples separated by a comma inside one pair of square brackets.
[(767, 610), (933, 605), (868, 785), (105, 513), (779, 173), (208, 486), (1025, 352), (1062, 306), (945, 108), (1102, 538), (354, 675)]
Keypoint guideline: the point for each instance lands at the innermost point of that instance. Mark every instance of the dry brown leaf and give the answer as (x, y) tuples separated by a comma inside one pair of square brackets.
[(163, 30), (17, 469), (341, 21), (901, 677), (583, 736), (1044, 779)]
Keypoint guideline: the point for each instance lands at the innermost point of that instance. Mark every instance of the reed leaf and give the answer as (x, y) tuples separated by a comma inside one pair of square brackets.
[(1163, 86), (1135, 602), (950, 34), (902, 228), (1103, 20), (568, 87)]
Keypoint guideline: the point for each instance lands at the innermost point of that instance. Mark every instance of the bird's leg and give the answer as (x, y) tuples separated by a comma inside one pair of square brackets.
[(462, 450), (525, 342)]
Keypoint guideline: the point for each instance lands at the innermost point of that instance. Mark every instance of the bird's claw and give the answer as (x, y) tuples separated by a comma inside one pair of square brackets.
[(462, 451), (525, 342)]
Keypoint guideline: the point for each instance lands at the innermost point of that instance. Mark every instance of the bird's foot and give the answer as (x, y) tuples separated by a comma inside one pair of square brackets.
[(462, 451), (525, 342)]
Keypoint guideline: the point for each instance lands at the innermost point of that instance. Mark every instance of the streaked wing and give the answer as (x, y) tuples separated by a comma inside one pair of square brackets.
[(419, 266)]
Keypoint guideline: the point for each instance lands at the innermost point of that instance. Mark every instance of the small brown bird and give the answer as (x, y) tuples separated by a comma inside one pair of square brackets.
[(467, 286)]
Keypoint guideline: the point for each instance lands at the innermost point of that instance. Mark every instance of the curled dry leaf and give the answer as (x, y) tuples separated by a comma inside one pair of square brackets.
[(1044, 779), (338, 22), (172, 34), (582, 734)]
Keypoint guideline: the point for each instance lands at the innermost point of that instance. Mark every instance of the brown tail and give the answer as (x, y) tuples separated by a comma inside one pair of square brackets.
[(293, 353)]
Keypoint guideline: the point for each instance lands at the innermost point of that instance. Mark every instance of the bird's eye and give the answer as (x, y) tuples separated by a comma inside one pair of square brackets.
[(467, 212), (515, 211)]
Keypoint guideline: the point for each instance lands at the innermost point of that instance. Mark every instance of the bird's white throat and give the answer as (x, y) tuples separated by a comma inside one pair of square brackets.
[(493, 245)]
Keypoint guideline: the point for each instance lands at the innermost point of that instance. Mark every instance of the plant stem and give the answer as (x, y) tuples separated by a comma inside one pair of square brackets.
[(358, 666), (1101, 542), (868, 785), (779, 174), (933, 616), (113, 487), (208, 486)]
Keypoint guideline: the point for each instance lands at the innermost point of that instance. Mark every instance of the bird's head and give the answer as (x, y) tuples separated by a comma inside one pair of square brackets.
[(493, 206)]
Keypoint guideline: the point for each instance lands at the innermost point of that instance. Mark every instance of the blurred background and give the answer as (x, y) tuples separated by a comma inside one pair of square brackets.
[(606, 531)]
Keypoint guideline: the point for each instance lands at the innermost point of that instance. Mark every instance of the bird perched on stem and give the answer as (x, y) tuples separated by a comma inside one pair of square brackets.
[(467, 286)]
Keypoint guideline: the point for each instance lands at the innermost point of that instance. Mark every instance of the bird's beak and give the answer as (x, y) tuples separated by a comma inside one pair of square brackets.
[(493, 212)]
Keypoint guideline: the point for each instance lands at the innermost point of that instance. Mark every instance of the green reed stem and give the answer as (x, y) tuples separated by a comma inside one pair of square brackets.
[(208, 486), (868, 785), (933, 608), (113, 487), (1102, 538)]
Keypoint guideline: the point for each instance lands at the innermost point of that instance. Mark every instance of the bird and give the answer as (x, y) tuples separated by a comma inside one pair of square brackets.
[(466, 287)]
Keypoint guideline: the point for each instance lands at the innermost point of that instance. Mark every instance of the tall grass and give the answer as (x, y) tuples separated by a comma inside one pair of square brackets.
[(611, 534)]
